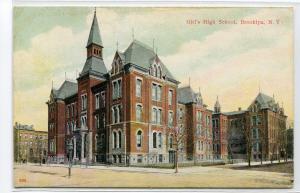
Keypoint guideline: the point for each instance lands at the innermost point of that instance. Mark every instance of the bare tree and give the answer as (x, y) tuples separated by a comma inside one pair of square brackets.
[(248, 139), (179, 140)]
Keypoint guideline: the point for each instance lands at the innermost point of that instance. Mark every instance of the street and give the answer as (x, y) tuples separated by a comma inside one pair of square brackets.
[(30, 175)]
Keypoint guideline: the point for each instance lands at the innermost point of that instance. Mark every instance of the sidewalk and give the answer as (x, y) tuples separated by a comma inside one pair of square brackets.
[(182, 170)]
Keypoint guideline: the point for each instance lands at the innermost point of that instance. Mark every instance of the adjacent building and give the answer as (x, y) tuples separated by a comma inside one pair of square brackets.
[(219, 133), (30, 145)]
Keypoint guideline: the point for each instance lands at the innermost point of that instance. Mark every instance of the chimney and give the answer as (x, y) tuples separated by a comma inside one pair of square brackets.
[(239, 108)]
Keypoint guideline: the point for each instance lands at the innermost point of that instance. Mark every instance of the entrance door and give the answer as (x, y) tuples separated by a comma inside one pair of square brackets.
[(171, 156)]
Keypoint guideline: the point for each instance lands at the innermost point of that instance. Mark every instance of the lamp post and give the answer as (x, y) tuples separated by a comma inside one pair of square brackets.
[(70, 148)]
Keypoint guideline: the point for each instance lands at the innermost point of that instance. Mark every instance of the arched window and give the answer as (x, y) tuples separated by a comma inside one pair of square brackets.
[(139, 139), (120, 139), (114, 139), (159, 140), (154, 139)]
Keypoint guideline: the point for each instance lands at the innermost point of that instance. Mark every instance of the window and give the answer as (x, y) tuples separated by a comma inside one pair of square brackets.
[(159, 113), (120, 139), (83, 121), (114, 139), (138, 88), (199, 116), (207, 120), (170, 118), (171, 141), (103, 98), (153, 91), (156, 92), (138, 113), (254, 121), (198, 129), (154, 140), (97, 121), (170, 97), (83, 102), (259, 119), (139, 139), (158, 97), (97, 101), (159, 140), (116, 114), (154, 111), (96, 141), (160, 158), (117, 89)]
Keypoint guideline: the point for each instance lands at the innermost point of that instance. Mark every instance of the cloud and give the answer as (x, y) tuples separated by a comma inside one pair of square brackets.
[(229, 61), (232, 63)]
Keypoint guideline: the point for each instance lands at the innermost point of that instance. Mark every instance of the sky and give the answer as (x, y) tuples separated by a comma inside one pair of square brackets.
[(231, 61)]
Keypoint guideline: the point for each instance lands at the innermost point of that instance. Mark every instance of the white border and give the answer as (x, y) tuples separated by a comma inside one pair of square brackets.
[(6, 96)]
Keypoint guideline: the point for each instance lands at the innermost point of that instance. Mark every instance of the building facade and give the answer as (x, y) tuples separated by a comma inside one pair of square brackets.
[(219, 133), (131, 114), (30, 145)]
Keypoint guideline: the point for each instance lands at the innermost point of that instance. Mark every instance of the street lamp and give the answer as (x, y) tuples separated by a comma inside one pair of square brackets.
[(70, 148)]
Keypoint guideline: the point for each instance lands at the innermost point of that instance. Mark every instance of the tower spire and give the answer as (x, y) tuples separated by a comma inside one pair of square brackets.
[(94, 36)]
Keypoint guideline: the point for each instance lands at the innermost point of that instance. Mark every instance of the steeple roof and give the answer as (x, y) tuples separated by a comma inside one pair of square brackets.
[(94, 37), (187, 95), (143, 56), (217, 104)]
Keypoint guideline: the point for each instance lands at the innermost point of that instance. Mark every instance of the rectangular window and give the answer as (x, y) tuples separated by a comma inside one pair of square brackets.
[(154, 111), (153, 91), (83, 102), (199, 116), (159, 113), (158, 97), (97, 101), (103, 98), (160, 158), (259, 119), (138, 112), (170, 118), (170, 97), (138, 88), (254, 121), (198, 129)]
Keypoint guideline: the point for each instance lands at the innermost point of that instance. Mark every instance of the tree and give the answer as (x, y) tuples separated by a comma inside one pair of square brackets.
[(248, 139), (179, 139)]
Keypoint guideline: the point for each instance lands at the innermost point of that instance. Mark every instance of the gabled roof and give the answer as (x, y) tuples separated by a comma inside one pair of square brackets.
[(66, 90), (94, 37), (186, 95), (95, 66), (143, 56)]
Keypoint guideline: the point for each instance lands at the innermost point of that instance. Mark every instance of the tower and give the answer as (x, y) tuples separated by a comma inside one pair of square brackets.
[(94, 64), (217, 107), (93, 73)]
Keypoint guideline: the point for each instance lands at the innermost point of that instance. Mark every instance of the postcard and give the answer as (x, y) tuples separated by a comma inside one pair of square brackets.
[(153, 97)]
